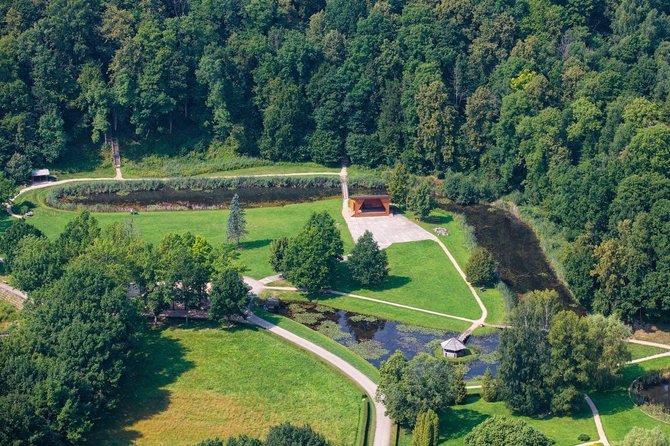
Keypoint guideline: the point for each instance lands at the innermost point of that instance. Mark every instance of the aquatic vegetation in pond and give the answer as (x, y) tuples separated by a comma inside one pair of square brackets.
[(376, 339)]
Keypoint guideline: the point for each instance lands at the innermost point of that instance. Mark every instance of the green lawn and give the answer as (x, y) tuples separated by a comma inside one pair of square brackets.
[(460, 244), (421, 276), (642, 351), (456, 422), (264, 225), (618, 413), (203, 382)]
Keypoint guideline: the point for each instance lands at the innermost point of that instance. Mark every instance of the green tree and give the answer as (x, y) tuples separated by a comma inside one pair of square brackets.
[(408, 388), (399, 185), (367, 263), (481, 268), (427, 429), (78, 235), (237, 222), (459, 385), (287, 434), (420, 200), (9, 240), (504, 431), (7, 188), (229, 296), (36, 263), (489, 390), (525, 353), (278, 249), (312, 256), (645, 437)]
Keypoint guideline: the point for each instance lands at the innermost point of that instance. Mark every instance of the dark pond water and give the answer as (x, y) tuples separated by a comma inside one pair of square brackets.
[(173, 199), (658, 393), (376, 339), (522, 264)]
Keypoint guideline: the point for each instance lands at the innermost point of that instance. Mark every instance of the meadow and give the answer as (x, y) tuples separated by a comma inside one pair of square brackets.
[(204, 382)]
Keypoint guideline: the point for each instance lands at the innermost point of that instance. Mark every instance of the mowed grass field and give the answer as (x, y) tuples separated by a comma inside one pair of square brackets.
[(263, 224), (421, 276), (202, 382)]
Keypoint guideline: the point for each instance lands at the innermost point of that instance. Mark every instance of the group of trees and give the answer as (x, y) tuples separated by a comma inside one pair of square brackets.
[(548, 356), (62, 366), (410, 389), (566, 102)]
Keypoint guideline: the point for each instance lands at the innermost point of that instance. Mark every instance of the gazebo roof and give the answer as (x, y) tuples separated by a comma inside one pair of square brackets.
[(40, 173), (453, 345)]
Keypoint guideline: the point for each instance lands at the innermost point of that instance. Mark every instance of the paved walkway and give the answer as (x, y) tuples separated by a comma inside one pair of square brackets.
[(599, 424)]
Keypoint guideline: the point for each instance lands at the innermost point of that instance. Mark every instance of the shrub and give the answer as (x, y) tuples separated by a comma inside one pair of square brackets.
[(481, 268), (583, 438), (504, 431), (645, 437)]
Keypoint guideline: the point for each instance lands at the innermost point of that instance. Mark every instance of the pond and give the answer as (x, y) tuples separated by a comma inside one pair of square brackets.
[(522, 264), (657, 394), (169, 198), (376, 339)]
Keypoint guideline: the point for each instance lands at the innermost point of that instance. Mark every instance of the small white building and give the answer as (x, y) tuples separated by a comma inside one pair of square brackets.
[(453, 348)]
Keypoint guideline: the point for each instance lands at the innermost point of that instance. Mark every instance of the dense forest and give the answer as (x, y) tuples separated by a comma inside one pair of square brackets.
[(564, 103)]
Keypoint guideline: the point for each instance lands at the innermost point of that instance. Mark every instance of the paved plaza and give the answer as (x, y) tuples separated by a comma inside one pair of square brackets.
[(387, 230)]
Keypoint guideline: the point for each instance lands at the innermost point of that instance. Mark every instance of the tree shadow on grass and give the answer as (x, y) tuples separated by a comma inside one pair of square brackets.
[(159, 362), (458, 423), (255, 244), (439, 219), (347, 284)]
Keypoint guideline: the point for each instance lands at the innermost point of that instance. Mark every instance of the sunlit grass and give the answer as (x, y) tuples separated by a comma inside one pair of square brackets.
[(203, 382)]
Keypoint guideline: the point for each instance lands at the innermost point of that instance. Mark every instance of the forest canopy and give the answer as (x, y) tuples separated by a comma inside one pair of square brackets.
[(565, 101)]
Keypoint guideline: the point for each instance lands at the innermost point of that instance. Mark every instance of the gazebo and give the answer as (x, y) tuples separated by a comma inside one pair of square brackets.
[(40, 175), (370, 205), (453, 348)]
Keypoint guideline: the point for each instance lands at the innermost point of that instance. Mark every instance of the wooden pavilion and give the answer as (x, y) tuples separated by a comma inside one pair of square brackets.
[(369, 205)]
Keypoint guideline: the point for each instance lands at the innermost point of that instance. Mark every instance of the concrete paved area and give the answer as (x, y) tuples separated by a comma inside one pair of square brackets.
[(387, 230)]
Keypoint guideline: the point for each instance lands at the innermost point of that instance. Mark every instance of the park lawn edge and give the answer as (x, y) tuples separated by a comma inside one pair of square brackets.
[(323, 341)]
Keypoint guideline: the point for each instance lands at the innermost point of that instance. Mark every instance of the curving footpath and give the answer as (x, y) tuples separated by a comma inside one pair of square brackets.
[(383, 424)]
